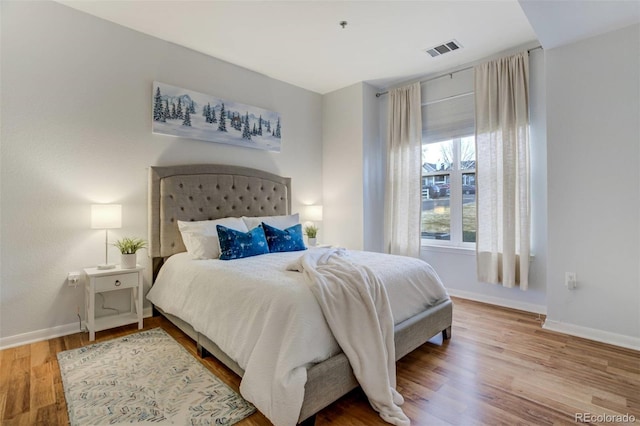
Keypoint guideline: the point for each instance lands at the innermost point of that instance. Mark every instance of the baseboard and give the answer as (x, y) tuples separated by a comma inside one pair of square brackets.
[(49, 333), (147, 312), (39, 335), (505, 303), (601, 336)]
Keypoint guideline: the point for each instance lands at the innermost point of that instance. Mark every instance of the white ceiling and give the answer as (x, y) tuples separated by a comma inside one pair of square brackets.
[(302, 43), (561, 22)]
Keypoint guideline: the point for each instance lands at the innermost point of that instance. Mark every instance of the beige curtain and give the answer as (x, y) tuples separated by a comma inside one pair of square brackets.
[(502, 167), (404, 150)]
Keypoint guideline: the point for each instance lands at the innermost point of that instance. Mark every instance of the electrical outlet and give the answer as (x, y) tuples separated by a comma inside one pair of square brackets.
[(73, 279), (570, 280)]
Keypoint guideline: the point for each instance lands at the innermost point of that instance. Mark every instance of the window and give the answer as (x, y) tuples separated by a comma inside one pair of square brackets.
[(448, 172)]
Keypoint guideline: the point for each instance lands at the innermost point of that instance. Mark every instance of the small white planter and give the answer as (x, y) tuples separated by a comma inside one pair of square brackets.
[(312, 242), (128, 261)]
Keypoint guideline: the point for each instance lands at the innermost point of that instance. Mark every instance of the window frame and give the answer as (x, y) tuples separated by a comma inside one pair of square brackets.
[(455, 200)]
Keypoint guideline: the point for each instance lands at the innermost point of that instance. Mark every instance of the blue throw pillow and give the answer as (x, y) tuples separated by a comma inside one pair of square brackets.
[(237, 244), (289, 239)]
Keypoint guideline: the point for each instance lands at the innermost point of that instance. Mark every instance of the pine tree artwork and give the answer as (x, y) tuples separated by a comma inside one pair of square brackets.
[(222, 127), (166, 113), (206, 113), (187, 118), (157, 106), (179, 113), (187, 114), (235, 120), (246, 133), (277, 133)]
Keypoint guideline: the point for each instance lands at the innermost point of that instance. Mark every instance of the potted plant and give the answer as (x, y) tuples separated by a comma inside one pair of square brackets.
[(311, 231), (128, 248)]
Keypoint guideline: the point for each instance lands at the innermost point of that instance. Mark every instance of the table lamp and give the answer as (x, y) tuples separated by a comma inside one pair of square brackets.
[(106, 216), (313, 213)]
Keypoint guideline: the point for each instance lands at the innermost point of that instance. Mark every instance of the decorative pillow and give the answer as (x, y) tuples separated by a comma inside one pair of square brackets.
[(235, 244), (289, 239), (201, 238), (280, 222)]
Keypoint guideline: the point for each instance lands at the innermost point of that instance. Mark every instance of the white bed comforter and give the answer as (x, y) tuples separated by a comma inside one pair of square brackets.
[(346, 291), (268, 320)]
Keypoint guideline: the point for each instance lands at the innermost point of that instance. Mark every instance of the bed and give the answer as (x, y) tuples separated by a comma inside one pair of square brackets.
[(208, 192)]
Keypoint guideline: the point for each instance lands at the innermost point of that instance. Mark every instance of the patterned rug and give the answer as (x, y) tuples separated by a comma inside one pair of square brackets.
[(145, 377)]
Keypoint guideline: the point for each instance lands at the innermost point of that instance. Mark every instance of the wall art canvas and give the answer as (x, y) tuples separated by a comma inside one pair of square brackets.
[(194, 115)]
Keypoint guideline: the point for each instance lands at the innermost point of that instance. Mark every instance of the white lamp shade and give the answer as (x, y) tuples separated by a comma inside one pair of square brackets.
[(313, 213), (106, 216)]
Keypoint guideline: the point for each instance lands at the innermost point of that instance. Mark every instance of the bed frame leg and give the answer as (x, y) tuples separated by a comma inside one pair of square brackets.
[(309, 421), (202, 352), (446, 333)]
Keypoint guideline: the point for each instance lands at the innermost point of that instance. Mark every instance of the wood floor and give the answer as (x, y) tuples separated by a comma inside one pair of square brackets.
[(500, 367)]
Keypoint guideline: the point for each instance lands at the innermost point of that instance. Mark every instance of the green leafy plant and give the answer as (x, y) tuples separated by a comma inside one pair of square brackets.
[(130, 245), (311, 231)]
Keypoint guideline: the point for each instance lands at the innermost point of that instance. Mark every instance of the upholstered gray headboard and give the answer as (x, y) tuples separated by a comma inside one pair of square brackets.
[(207, 192)]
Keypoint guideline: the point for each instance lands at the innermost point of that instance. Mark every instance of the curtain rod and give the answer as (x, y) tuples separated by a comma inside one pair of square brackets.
[(378, 94)]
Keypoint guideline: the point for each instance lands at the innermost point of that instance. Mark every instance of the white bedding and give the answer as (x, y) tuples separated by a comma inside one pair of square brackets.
[(345, 290), (268, 321)]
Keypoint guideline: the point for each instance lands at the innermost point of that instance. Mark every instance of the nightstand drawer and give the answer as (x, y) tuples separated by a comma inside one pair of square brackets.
[(116, 282)]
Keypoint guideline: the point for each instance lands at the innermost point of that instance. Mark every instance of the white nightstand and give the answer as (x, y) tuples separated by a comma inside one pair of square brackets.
[(103, 280)]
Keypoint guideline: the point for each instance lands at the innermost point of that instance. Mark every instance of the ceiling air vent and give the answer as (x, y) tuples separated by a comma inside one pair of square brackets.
[(443, 48)]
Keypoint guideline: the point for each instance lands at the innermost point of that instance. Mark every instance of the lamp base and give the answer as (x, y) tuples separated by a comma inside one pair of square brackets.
[(105, 266)]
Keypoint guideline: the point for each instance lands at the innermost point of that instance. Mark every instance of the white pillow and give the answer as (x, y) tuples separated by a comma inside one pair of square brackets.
[(201, 238), (280, 222)]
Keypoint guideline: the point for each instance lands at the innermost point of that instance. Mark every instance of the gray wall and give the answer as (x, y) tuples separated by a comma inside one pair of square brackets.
[(76, 116), (374, 170), (353, 169), (593, 127), (342, 154)]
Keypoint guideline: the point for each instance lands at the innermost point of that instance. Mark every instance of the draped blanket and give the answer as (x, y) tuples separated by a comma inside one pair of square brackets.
[(355, 305)]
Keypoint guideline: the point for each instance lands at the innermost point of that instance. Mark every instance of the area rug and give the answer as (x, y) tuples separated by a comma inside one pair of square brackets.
[(145, 377)]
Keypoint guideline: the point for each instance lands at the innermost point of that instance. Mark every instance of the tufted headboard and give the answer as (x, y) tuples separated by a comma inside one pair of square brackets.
[(207, 192)]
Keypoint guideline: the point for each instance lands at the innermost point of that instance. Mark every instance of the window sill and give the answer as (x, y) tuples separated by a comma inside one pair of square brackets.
[(467, 251)]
